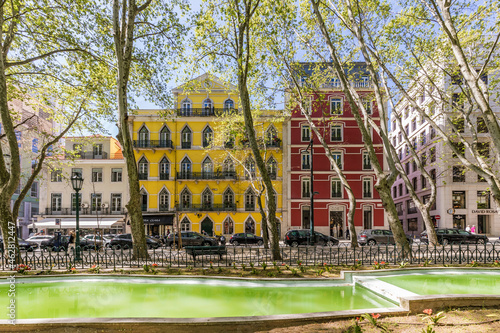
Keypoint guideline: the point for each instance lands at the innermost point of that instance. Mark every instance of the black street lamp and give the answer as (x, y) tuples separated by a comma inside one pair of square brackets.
[(312, 193), (77, 182)]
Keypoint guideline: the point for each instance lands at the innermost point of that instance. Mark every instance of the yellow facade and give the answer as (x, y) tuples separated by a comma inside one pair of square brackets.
[(188, 183)]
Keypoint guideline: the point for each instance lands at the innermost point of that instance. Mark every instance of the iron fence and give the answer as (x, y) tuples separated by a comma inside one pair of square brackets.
[(237, 256)]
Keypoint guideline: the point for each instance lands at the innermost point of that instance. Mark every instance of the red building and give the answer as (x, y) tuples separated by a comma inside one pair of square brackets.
[(331, 113)]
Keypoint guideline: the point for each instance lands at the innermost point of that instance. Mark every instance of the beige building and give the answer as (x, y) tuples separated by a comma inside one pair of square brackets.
[(100, 161)]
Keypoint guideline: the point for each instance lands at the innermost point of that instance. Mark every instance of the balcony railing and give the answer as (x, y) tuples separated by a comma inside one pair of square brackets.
[(186, 145), (249, 208), (85, 211), (87, 155), (143, 176), (164, 208), (205, 112), (228, 207), (207, 175), (336, 194), (153, 144), (367, 194), (272, 175), (163, 176)]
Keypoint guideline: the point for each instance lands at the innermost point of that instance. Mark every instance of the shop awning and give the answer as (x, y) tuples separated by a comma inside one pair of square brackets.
[(85, 223)]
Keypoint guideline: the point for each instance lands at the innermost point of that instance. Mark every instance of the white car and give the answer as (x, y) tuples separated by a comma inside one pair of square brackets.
[(38, 239)]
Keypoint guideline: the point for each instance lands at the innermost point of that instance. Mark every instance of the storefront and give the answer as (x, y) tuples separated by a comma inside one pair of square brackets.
[(87, 225), (158, 225)]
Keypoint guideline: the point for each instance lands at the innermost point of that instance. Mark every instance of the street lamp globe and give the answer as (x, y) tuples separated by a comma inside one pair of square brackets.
[(77, 181)]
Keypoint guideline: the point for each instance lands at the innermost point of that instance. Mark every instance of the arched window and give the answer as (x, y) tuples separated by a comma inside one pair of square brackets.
[(185, 169), (228, 168), (250, 226), (207, 168), (143, 137), (207, 107), (185, 199), (164, 168), (208, 136), (186, 138), (272, 168), (163, 200), (228, 199), (228, 105), (143, 167), (228, 226), (144, 200), (165, 141), (272, 139), (206, 199), (185, 224), (186, 108), (249, 200), (249, 168)]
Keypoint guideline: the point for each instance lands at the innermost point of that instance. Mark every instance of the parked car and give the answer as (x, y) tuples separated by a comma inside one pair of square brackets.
[(38, 239), (54, 245), (125, 242), (92, 239), (454, 236), (191, 238), (23, 245), (372, 237), (298, 237), (246, 238)]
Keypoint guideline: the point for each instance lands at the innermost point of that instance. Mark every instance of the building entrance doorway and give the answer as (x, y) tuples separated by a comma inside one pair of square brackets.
[(306, 218), (483, 224), (207, 226), (367, 217), (459, 221), (337, 224)]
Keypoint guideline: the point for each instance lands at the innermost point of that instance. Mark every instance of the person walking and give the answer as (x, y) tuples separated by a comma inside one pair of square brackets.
[(473, 229), (468, 228), (71, 241)]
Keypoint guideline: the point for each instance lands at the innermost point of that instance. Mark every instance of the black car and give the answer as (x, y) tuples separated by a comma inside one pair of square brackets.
[(55, 244), (454, 236), (246, 238), (23, 245), (191, 238), (298, 237), (125, 242)]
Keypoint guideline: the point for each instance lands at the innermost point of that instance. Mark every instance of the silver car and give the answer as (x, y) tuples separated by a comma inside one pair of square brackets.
[(38, 239), (372, 237)]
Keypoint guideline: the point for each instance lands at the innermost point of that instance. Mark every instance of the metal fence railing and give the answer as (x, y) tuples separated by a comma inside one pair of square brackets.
[(460, 254)]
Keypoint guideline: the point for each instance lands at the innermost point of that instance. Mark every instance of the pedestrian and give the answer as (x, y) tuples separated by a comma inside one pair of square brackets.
[(468, 228), (473, 229), (347, 234), (71, 241), (341, 232)]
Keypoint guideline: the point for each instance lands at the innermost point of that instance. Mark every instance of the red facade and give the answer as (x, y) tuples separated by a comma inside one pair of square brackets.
[(331, 203)]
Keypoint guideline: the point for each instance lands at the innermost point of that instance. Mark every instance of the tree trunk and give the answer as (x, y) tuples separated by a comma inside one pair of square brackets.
[(250, 131), (123, 38), (264, 227), (384, 190)]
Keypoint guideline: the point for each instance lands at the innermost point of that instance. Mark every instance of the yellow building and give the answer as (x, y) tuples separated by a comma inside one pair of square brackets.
[(190, 181)]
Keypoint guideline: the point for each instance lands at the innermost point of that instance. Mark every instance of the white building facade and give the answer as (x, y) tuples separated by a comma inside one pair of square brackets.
[(104, 193), (462, 198)]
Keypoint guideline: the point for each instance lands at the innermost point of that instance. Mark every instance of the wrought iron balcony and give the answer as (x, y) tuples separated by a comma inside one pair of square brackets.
[(164, 176), (143, 176), (153, 144), (85, 211), (205, 112), (87, 155), (227, 207), (249, 208), (164, 208), (207, 175)]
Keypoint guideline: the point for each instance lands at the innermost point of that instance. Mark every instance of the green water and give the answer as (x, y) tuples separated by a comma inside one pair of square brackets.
[(181, 298), (449, 283)]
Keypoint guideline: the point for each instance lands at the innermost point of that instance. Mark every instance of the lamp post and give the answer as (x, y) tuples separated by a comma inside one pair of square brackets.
[(77, 182), (312, 193)]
